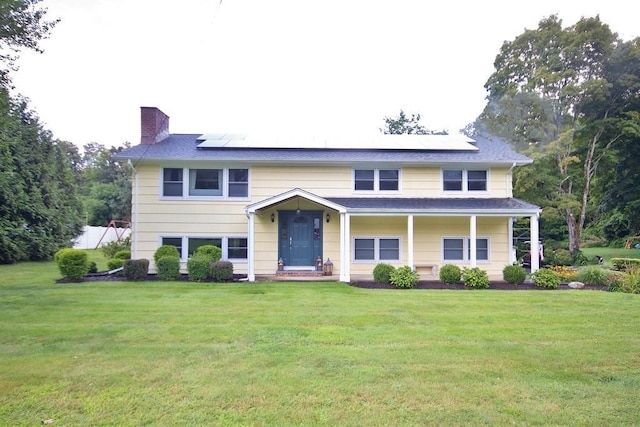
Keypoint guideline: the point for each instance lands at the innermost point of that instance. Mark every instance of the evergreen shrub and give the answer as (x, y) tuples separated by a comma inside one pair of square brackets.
[(514, 274), (72, 263), (382, 272), (222, 271), (450, 274), (168, 268), (136, 269)]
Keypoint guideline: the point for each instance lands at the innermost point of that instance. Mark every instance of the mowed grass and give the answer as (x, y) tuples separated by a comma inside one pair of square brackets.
[(160, 353)]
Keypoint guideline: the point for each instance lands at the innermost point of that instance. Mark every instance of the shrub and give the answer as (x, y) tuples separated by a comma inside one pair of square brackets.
[(135, 269), (382, 273), (614, 281), (404, 277), (222, 271), (165, 250), (546, 278), (198, 268), (93, 267), (475, 278), (567, 274), (109, 249), (593, 276), (559, 257), (624, 264), (114, 263), (213, 252), (168, 267), (124, 254), (514, 274), (450, 274), (72, 263)]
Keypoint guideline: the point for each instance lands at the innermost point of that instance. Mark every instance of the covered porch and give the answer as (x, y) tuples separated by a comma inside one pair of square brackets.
[(423, 233)]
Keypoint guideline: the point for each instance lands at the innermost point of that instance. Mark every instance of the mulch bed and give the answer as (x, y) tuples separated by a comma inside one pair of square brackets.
[(500, 285), (424, 284)]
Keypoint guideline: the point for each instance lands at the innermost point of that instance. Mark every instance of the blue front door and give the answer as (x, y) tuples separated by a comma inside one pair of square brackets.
[(300, 240)]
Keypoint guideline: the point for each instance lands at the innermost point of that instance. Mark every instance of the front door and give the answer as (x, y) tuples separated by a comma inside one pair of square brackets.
[(300, 237)]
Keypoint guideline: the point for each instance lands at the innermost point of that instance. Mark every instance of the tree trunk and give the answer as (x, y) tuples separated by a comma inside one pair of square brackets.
[(574, 232)]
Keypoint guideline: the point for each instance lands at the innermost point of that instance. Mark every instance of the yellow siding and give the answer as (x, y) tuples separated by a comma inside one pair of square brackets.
[(203, 218)]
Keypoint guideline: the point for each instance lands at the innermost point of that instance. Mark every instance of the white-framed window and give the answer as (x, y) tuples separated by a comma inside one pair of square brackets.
[(459, 249), (376, 179), (376, 249), (234, 248), (205, 182), (464, 180)]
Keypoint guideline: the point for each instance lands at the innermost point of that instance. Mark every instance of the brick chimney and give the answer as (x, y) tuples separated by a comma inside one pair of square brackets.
[(154, 125)]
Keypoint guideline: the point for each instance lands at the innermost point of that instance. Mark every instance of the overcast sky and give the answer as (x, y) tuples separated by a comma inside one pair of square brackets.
[(316, 68)]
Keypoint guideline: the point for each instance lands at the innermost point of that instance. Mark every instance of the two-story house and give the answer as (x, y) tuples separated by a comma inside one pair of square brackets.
[(269, 203)]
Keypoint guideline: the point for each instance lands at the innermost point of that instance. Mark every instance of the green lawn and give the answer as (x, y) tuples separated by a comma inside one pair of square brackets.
[(159, 353), (608, 253)]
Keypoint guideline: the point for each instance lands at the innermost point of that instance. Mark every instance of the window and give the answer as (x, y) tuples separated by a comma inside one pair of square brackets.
[(376, 179), (219, 183), (464, 180), (172, 182), (376, 249), (459, 249), (233, 248)]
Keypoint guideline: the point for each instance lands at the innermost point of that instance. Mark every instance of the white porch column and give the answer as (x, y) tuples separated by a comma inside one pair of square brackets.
[(410, 261), (251, 274), (511, 246), (345, 266), (535, 249), (472, 241)]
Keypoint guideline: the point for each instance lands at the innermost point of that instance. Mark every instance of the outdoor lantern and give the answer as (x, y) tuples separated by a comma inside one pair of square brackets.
[(328, 217), (318, 264), (280, 264), (328, 268), (273, 217)]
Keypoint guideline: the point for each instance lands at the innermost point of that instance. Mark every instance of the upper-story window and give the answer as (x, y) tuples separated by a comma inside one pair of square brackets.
[(376, 179), (464, 180), (205, 182)]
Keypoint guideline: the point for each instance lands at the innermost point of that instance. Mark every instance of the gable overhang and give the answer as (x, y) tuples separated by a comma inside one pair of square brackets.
[(292, 194)]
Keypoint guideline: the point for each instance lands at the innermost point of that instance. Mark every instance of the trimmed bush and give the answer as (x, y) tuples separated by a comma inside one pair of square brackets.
[(114, 263), (450, 274), (136, 269), (213, 252), (404, 277), (222, 271), (165, 250), (475, 278), (198, 268), (546, 278), (382, 272), (168, 268), (125, 255), (514, 274), (72, 263), (593, 276)]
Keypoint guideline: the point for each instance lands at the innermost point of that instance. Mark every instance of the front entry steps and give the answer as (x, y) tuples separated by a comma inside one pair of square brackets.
[(298, 274)]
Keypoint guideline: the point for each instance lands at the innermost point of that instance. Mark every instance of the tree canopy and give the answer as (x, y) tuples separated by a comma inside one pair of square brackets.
[(565, 96), (407, 125)]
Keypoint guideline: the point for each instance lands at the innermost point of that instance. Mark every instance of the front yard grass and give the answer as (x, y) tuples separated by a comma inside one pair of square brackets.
[(160, 353)]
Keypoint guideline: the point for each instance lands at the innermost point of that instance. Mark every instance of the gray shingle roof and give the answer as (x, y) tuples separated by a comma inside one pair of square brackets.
[(184, 147), (434, 204)]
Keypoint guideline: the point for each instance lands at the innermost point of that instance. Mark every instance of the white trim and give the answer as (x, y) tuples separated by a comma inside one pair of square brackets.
[(296, 192), (410, 240), (251, 274), (345, 231), (473, 262)]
